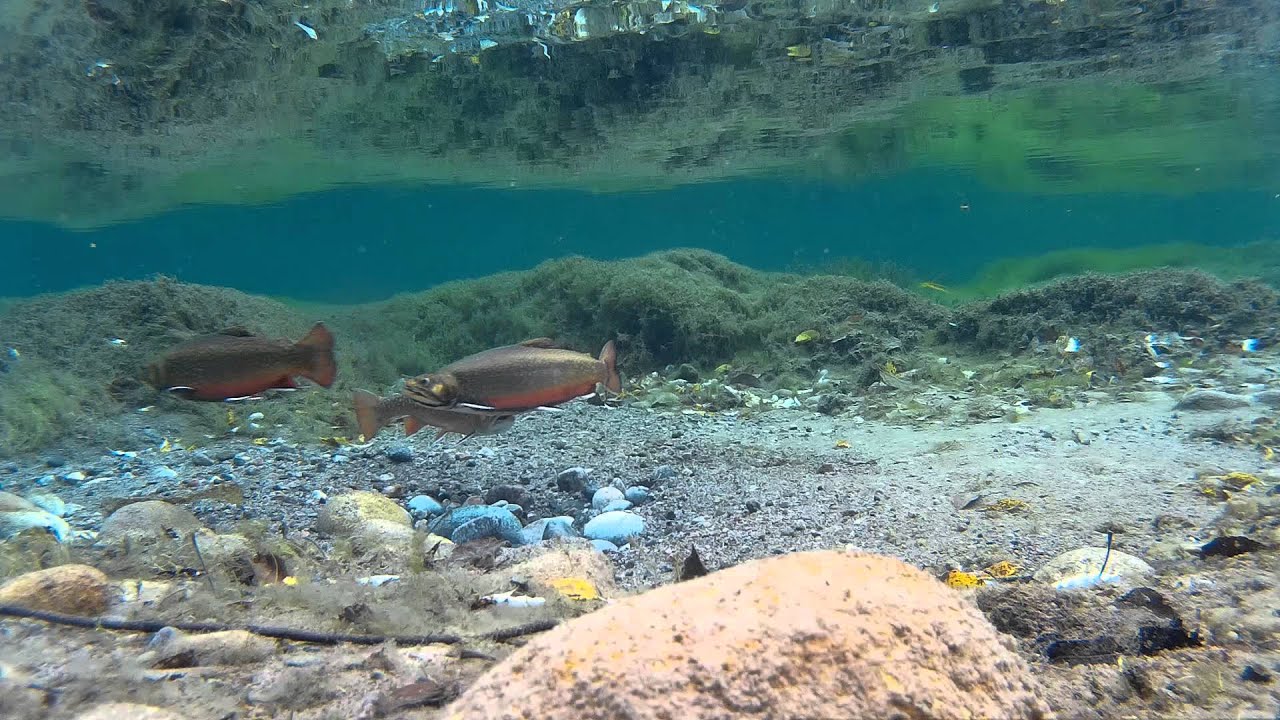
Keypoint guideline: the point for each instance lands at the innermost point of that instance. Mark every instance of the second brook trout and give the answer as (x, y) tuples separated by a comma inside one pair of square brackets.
[(520, 377), (374, 413)]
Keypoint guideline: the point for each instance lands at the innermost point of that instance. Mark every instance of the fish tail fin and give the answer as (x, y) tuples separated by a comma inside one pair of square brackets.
[(609, 356), (367, 416), (321, 366)]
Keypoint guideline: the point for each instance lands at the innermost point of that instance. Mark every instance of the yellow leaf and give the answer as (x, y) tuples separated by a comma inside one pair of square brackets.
[(807, 336), (290, 581), (963, 580), (575, 588), (842, 444)]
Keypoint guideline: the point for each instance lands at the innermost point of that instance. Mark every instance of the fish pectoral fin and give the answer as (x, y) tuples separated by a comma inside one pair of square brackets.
[(549, 408), (242, 398), (182, 391)]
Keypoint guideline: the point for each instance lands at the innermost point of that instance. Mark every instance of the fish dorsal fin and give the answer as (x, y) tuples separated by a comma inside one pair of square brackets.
[(235, 331), (541, 342)]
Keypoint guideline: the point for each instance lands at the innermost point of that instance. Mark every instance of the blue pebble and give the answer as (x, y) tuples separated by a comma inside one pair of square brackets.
[(425, 506), (504, 526), (604, 546), (617, 505), (164, 472), (616, 526), (400, 453), (55, 461), (202, 460), (544, 528), (605, 496), (448, 523), (638, 495), (44, 480)]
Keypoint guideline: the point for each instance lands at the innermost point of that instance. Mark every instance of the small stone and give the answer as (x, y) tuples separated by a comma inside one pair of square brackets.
[(9, 468), (400, 454), (339, 459), (514, 494), (504, 526), (75, 477), (70, 589), (638, 495), (574, 479), (1081, 436), (1255, 673), (425, 506), (1211, 400), (149, 520), (617, 505), (239, 459), (200, 459), (171, 648), (618, 527), (54, 461), (604, 546), (164, 472), (661, 474), (449, 523), (752, 506), (604, 497)]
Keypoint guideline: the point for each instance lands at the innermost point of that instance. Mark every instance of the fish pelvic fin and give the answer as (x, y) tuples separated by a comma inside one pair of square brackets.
[(321, 367), (367, 416), (609, 356), (412, 425)]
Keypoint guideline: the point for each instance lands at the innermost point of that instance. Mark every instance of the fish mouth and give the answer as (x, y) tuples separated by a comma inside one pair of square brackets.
[(430, 392)]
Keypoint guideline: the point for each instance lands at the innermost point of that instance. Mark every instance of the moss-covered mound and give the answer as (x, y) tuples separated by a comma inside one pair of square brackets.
[(81, 354)]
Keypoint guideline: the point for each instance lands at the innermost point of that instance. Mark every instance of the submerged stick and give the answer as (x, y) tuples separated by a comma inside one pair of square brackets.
[(1105, 558), (271, 631)]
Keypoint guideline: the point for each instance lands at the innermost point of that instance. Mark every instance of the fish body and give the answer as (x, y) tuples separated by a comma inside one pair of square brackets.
[(522, 377), (374, 413), (236, 364)]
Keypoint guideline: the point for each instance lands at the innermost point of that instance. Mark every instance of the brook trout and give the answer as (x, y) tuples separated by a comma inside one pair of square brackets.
[(374, 413), (236, 364), (520, 377)]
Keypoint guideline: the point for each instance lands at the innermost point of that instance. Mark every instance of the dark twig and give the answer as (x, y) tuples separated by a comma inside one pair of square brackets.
[(199, 556), (282, 633), (1105, 557)]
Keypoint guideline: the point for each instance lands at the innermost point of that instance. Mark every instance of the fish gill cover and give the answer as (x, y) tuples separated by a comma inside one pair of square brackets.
[(137, 106), (83, 352)]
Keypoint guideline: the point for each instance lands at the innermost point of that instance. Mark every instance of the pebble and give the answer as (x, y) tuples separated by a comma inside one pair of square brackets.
[(239, 459), (514, 494), (49, 503), (617, 505), (604, 546), (319, 496), (71, 589), (55, 461), (604, 497), (548, 528), (660, 474), (1211, 400), (164, 472), (638, 495), (504, 525), (400, 454), (338, 459), (424, 506), (617, 526), (574, 479), (200, 459), (10, 468), (447, 524)]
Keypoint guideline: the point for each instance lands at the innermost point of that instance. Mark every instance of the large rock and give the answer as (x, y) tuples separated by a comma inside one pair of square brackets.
[(808, 635)]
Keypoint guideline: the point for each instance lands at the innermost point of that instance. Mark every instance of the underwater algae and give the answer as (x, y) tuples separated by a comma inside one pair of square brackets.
[(80, 371)]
